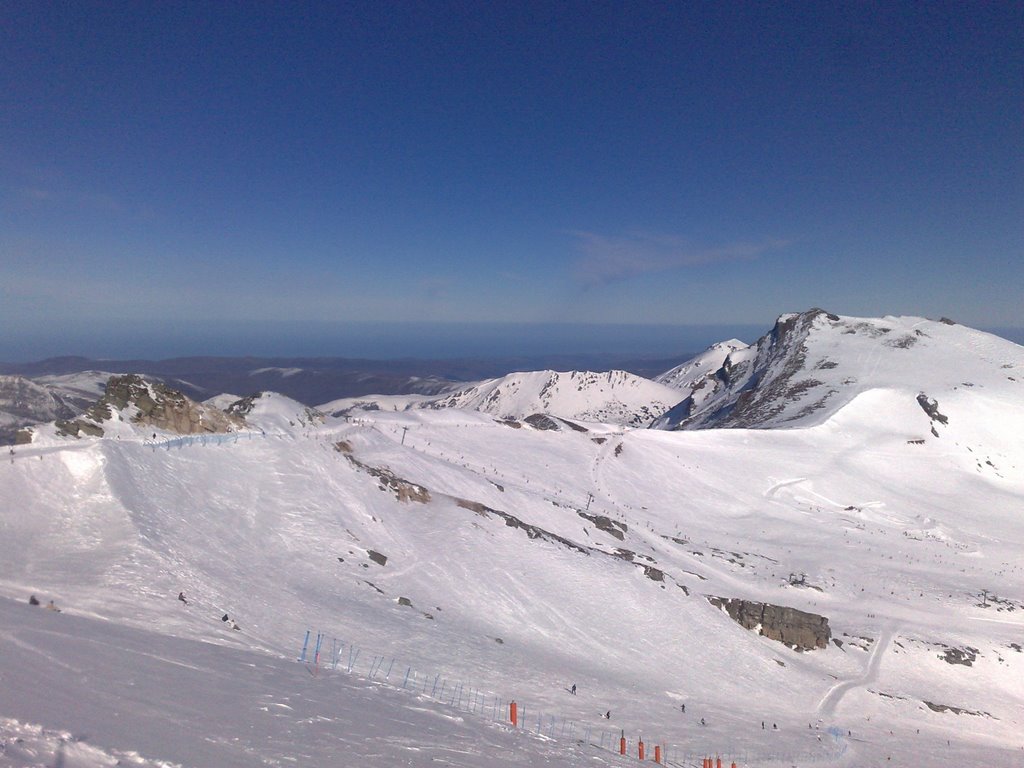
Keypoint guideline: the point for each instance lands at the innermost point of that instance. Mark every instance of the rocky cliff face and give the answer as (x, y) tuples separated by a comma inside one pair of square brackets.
[(24, 402), (798, 629), (151, 404)]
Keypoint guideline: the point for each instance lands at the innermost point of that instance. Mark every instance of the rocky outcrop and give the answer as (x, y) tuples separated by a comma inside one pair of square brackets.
[(157, 405), (150, 404), (800, 630)]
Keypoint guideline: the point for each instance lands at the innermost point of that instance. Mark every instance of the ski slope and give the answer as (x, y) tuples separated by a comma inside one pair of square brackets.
[(517, 562)]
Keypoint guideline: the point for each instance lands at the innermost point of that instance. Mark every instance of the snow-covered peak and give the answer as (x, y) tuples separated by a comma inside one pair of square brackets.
[(812, 364), (686, 375), (612, 397), (275, 413)]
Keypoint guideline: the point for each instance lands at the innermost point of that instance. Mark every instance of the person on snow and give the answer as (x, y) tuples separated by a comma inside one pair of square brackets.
[(181, 596), (32, 600), (51, 607), (573, 690)]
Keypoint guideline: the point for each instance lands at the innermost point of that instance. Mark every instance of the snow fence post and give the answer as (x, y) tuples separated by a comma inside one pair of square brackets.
[(513, 713), (622, 743), (657, 754), (305, 645), (640, 748), (407, 671), (316, 655)]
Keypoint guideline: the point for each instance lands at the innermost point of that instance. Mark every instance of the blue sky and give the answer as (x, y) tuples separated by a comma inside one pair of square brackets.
[(233, 178)]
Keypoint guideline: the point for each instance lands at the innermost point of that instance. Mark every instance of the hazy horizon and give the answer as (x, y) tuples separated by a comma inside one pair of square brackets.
[(393, 341)]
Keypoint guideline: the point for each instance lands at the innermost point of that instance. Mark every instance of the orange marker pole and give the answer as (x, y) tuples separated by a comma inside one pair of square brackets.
[(657, 754), (622, 744), (513, 714), (640, 749), (719, 763)]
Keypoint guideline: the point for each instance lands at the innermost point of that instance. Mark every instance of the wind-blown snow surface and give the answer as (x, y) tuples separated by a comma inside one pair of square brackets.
[(909, 543)]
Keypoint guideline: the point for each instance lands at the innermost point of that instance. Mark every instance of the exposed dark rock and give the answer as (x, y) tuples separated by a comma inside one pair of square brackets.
[(23, 436), (543, 422), (956, 710), (377, 557), (403, 489), (405, 601), (574, 426), (931, 407), (654, 574), (798, 629), (965, 656), (606, 524)]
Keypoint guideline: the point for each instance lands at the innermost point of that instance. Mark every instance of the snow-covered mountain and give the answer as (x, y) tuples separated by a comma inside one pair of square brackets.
[(613, 397), (812, 365), (25, 401), (856, 585)]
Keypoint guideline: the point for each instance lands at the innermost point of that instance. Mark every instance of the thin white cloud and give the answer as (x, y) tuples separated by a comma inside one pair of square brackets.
[(607, 259)]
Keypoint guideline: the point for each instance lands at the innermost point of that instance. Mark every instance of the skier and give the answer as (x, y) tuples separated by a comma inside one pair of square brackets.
[(51, 607), (181, 596), (702, 721), (32, 600), (682, 708), (574, 689), (608, 715)]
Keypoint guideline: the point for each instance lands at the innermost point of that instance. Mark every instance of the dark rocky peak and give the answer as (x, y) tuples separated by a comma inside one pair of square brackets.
[(758, 380)]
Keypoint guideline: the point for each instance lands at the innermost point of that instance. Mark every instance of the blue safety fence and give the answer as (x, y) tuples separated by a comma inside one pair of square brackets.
[(203, 439)]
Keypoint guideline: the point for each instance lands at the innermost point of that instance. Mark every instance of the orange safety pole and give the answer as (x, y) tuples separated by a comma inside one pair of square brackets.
[(622, 744), (719, 762), (513, 714), (641, 749), (657, 753), (733, 764)]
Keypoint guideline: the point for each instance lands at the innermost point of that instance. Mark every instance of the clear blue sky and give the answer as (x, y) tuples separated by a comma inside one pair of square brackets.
[(260, 177)]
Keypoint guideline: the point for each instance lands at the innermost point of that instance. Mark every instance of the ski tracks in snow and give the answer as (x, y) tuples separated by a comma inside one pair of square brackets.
[(831, 699)]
